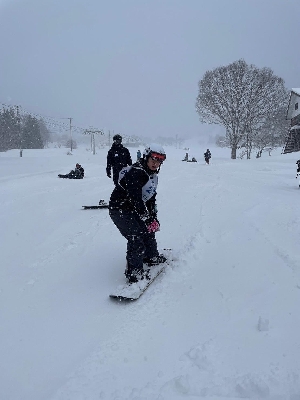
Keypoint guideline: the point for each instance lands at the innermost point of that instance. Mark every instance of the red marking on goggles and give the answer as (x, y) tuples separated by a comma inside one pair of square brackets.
[(158, 157)]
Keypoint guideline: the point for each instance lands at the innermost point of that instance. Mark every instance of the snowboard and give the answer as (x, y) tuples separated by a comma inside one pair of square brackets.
[(102, 204), (133, 291)]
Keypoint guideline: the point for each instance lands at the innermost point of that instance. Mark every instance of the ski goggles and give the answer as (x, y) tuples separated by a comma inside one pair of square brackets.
[(158, 157)]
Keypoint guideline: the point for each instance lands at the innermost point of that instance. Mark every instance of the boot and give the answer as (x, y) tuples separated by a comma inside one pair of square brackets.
[(160, 259), (135, 275)]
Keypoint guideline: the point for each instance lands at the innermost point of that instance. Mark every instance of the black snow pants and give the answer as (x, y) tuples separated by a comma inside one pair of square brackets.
[(71, 175), (140, 243), (116, 171)]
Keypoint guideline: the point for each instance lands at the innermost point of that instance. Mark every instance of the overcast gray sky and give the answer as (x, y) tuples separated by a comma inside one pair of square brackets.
[(133, 66)]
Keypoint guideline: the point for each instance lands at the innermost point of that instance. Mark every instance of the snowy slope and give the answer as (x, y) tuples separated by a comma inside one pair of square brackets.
[(222, 323)]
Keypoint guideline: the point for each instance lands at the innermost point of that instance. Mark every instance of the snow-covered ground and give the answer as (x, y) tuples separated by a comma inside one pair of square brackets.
[(222, 323)]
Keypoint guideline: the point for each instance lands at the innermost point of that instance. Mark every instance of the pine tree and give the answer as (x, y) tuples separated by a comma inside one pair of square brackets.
[(31, 135)]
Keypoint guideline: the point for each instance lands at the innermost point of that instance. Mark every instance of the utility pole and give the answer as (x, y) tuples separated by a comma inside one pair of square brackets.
[(71, 134), (71, 145), (20, 131)]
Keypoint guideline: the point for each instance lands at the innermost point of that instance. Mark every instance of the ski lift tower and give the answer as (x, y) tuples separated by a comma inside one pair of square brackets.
[(93, 132)]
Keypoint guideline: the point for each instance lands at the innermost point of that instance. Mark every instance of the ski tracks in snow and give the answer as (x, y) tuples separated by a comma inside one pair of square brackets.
[(197, 296)]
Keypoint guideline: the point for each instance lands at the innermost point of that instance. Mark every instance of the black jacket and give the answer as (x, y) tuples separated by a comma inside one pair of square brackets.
[(118, 157), (79, 172), (128, 194), (207, 155)]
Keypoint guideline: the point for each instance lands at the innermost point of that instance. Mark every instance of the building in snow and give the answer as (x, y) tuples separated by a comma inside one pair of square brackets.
[(293, 114)]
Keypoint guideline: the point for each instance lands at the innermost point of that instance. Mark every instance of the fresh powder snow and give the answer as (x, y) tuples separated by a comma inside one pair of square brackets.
[(222, 322)]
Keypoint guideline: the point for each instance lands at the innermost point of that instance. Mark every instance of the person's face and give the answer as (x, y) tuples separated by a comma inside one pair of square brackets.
[(153, 164)]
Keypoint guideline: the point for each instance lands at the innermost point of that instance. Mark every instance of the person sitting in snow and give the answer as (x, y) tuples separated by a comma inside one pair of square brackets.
[(77, 173), (186, 157)]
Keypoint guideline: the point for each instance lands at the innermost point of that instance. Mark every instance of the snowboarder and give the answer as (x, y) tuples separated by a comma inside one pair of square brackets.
[(118, 157), (207, 156), (77, 173), (132, 208)]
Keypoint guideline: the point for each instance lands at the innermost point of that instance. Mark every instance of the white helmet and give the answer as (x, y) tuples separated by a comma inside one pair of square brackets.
[(156, 151)]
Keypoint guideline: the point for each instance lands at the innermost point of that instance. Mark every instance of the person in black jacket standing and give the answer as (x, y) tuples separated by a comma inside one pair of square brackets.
[(118, 157), (207, 156), (132, 208), (298, 169)]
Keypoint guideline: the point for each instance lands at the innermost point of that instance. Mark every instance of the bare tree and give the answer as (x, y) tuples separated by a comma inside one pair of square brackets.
[(272, 133), (240, 97)]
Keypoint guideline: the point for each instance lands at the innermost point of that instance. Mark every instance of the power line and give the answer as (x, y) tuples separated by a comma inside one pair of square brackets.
[(49, 121)]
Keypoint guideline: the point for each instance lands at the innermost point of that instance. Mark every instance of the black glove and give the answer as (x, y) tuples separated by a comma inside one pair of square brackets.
[(108, 172), (149, 217), (153, 213)]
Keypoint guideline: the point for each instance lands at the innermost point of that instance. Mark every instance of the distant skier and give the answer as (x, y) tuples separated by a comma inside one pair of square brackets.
[(77, 173), (138, 155), (298, 169), (118, 157), (132, 207), (207, 156)]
